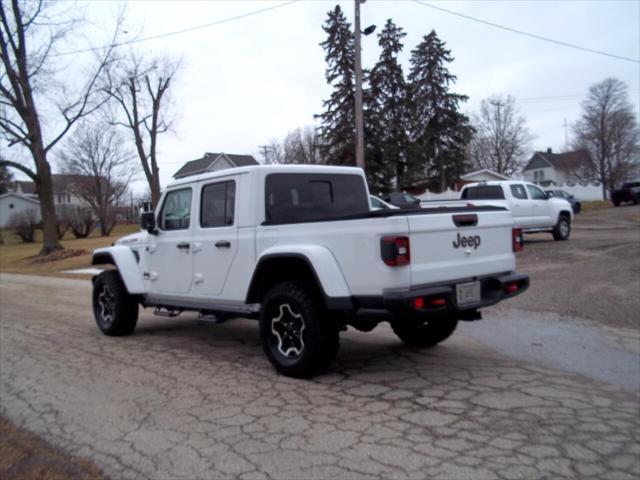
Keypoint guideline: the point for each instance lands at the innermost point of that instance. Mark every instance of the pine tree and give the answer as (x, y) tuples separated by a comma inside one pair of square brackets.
[(6, 179), (439, 131), (387, 136), (337, 122)]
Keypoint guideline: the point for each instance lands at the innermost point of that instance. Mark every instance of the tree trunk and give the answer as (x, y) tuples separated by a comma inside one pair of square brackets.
[(155, 190), (50, 240)]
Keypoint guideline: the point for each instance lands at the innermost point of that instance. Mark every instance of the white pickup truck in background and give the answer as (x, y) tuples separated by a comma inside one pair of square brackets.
[(532, 210), (300, 248)]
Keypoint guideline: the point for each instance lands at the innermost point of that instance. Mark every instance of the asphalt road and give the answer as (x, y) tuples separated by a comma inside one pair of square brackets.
[(525, 393)]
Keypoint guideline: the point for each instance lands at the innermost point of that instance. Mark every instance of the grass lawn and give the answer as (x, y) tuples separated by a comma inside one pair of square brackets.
[(17, 257), (596, 205)]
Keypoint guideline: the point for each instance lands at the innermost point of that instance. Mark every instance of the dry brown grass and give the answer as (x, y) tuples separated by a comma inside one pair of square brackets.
[(24, 456), (19, 257), (596, 205)]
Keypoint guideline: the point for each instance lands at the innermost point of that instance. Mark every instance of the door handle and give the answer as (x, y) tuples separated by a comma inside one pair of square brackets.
[(183, 246), (223, 244)]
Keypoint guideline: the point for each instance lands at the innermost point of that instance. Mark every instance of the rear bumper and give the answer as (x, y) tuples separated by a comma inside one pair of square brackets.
[(492, 291)]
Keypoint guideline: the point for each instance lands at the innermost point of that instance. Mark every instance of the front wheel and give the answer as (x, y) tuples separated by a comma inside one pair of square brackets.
[(115, 311), (562, 230), (425, 334), (298, 337)]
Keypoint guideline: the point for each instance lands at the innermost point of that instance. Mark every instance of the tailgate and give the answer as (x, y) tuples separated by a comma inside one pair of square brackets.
[(451, 246)]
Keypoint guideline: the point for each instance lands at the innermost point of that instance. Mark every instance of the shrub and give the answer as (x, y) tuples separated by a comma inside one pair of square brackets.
[(24, 225), (82, 223)]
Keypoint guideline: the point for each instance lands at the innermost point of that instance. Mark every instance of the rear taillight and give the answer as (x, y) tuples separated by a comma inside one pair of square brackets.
[(517, 239), (395, 251)]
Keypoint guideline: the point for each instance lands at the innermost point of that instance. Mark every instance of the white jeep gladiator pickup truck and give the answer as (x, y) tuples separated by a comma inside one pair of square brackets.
[(300, 248), (532, 210)]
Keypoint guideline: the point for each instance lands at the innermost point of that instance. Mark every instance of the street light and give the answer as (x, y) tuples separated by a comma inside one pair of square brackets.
[(358, 66)]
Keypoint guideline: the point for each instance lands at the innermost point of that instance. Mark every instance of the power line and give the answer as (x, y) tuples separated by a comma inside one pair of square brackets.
[(557, 97), (177, 32), (532, 35)]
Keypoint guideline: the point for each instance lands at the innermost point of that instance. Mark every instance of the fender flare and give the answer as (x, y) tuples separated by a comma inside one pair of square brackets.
[(124, 259), (323, 266)]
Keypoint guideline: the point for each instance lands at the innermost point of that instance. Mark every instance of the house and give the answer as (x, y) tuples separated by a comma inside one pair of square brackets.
[(548, 168), (13, 203), (62, 190), (212, 162)]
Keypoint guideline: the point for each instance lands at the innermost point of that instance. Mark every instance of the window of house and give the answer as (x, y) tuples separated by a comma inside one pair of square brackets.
[(176, 210), (218, 204), (518, 191), (538, 176)]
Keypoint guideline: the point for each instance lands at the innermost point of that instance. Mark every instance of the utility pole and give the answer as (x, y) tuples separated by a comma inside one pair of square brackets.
[(359, 114), (265, 152), (566, 136)]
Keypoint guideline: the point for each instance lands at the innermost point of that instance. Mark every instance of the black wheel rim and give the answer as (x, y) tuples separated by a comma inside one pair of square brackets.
[(106, 305), (287, 329)]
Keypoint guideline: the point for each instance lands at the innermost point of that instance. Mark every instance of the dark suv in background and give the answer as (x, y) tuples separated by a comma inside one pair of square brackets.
[(576, 206), (630, 192)]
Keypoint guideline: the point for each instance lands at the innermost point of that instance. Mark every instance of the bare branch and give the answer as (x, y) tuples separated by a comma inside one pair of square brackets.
[(28, 172)]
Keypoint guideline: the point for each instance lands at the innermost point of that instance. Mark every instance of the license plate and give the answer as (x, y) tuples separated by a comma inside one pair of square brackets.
[(468, 293)]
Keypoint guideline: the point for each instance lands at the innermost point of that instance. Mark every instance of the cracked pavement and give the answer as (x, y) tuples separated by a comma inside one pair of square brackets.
[(183, 398)]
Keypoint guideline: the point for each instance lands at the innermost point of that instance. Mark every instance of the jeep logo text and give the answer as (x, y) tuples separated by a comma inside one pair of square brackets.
[(470, 241)]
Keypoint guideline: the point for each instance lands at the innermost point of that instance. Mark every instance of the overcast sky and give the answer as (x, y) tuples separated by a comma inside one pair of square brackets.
[(250, 80)]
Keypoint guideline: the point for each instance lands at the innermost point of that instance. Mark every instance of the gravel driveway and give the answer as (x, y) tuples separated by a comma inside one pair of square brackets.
[(182, 398)]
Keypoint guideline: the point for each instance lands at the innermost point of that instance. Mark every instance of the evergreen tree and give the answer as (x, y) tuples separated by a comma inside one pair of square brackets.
[(439, 131), (6, 179), (337, 122), (386, 115)]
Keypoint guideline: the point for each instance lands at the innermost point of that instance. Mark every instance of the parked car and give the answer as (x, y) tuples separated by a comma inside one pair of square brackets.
[(402, 200), (629, 192), (576, 205), (299, 248), (379, 204), (532, 210)]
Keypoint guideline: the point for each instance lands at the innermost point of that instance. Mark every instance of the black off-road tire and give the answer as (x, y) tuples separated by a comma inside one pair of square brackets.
[(616, 203), (562, 230), (115, 311), (285, 307), (426, 334)]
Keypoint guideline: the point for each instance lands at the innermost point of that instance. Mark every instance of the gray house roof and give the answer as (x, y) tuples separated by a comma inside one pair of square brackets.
[(562, 161), (208, 161)]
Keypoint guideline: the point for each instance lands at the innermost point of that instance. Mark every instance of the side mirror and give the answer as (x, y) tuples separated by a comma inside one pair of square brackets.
[(148, 222)]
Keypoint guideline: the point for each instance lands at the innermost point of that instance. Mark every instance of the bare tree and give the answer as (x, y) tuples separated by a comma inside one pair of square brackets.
[(301, 146), (502, 138), (30, 33), (140, 89), (97, 155), (609, 131)]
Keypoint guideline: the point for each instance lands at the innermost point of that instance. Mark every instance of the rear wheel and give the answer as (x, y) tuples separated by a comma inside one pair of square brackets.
[(616, 203), (115, 311), (425, 334), (298, 336), (562, 230)]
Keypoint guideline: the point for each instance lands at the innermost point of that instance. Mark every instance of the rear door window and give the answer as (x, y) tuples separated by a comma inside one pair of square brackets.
[(218, 204), (308, 197)]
